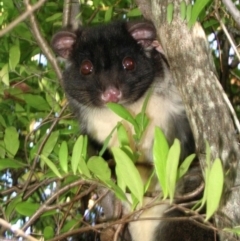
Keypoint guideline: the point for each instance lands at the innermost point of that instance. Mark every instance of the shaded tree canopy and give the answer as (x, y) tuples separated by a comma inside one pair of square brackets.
[(39, 191)]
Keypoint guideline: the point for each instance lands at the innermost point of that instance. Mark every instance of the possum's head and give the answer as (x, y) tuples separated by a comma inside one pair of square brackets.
[(111, 63)]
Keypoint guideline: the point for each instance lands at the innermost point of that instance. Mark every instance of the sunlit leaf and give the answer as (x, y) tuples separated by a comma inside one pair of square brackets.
[(172, 167), (122, 135), (215, 187), (117, 190), (235, 230), (50, 143), (170, 9), (148, 183), (123, 113), (183, 9), (4, 75), (2, 149), (120, 179), (99, 167), (185, 165), (78, 161), (108, 14), (196, 10), (160, 152), (63, 156), (206, 174), (189, 12), (51, 165), (134, 12), (129, 173), (107, 140), (11, 141), (14, 56)]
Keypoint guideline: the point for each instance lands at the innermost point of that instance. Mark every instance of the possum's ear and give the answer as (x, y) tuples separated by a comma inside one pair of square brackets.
[(62, 43), (145, 34)]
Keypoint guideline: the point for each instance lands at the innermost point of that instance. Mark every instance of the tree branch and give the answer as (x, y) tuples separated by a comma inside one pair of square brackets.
[(16, 231), (233, 10), (42, 42)]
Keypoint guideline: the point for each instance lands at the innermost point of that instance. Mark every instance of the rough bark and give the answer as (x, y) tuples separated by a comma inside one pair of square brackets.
[(191, 63)]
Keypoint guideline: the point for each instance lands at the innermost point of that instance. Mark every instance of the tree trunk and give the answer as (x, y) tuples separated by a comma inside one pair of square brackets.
[(192, 66)]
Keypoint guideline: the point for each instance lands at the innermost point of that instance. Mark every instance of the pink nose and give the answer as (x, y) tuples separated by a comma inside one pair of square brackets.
[(111, 94)]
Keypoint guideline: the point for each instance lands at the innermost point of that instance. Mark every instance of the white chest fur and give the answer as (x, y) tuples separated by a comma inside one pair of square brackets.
[(159, 111)]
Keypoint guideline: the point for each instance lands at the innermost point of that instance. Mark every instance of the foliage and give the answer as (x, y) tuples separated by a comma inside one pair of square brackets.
[(46, 175)]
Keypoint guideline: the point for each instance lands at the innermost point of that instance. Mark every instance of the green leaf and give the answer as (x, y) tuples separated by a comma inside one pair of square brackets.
[(107, 140), (11, 207), (160, 152), (54, 17), (78, 160), (210, 23), (63, 156), (183, 9), (48, 232), (14, 56), (206, 175), (70, 225), (11, 141), (185, 165), (108, 14), (134, 13), (170, 9), (148, 183), (2, 121), (142, 121), (235, 230), (51, 165), (196, 10), (4, 75), (120, 179), (10, 163), (122, 135), (37, 102), (117, 190), (99, 167), (129, 173), (123, 113), (50, 144), (215, 188), (189, 12), (27, 209), (172, 167), (2, 149)]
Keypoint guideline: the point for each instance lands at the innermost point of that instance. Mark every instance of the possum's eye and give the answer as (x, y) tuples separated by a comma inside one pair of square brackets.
[(86, 67), (128, 63)]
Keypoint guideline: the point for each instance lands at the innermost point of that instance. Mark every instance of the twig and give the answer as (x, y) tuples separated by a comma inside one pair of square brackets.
[(16, 231), (45, 207), (42, 42), (227, 35), (70, 12), (230, 6), (41, 147)]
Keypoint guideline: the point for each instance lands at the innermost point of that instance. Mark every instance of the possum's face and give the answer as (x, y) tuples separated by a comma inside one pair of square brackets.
[(108, 64)]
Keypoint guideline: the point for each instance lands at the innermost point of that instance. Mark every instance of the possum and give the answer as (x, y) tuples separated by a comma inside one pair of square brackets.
[(119, 62)]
